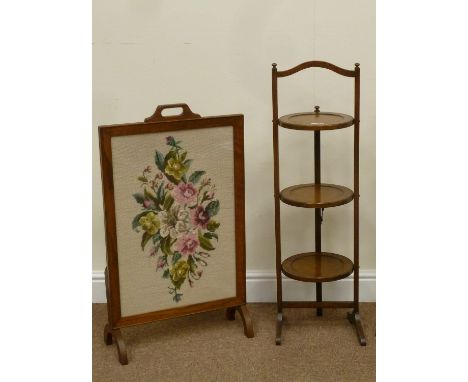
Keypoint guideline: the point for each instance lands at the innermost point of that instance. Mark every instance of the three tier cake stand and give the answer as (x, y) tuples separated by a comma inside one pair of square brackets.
[(318, 266)]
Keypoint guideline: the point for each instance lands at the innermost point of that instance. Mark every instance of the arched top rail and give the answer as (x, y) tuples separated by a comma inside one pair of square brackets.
[(317, 64)]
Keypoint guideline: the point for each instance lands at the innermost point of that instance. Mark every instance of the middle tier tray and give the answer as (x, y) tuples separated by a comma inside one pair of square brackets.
[(317, 267), (316, 121), (313, 195)]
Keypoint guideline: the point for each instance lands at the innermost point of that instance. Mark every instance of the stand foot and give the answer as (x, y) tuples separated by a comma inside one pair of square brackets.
[(279, 327), (355, 319), (246, 320), (114, 334)]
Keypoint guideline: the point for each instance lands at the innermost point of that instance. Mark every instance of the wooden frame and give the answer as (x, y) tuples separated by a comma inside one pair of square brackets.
[(157, 123), (353, 316)]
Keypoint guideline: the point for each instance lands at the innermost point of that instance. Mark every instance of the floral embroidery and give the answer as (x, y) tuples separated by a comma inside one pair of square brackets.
[(185, 193), (175, 168), (187, 244), (200, 217), (150, 223), (173, 222), (176, 217)]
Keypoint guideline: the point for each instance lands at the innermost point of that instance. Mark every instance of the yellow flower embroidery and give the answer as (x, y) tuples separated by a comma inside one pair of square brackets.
[(175, 168), (150, 223), (179, 272)]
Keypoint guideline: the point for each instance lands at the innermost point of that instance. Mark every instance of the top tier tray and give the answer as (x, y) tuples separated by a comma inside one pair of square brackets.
[(316, 121)]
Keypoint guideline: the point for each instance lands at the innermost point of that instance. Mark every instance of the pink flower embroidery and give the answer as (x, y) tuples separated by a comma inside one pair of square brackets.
[(185, 193), (148, 203), (161, 263), (187, 244), (200, 217)]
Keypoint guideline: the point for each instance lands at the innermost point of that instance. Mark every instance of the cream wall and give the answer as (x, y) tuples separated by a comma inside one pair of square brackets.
[(216, 56)]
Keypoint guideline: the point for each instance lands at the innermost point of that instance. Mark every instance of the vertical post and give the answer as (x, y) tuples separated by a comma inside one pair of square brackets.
[(318, 218), (356, 185), (279, 294), (108, 338), (109, 310)]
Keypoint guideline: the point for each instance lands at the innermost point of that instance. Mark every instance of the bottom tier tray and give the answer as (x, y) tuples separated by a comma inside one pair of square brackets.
[(317, 267)]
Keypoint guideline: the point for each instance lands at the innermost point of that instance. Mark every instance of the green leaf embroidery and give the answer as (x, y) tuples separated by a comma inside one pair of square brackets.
[(145, 239), (172, 179), (156, 238), (136, 219), (168, 201), (212, 208), (192, 265), (183, 156), (139, 197), (159, 160), (196, 176), (204, 197), (177, 297), (165, 274), (149, 195), (213, 225), (187, 163), (142, 178), (176, 257), (160, 194), (171, 154), (204, 242), (166, 245), (211, 235), (156, 247)]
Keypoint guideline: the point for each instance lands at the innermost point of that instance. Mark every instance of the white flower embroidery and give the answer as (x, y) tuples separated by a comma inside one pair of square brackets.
[(173, 222)]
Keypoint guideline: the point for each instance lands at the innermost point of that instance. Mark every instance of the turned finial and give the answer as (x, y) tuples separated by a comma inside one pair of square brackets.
[(274, 65), (317, 109), (357, 64)]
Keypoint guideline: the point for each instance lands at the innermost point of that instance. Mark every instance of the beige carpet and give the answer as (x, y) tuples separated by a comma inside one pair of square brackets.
[(206, 347)]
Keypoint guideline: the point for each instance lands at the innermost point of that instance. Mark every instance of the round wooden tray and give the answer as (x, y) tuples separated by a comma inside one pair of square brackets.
[(317, 267), (312, 195), (316, 121)]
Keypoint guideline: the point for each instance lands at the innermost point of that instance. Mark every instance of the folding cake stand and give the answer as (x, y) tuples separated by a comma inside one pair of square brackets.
[(318, 266)]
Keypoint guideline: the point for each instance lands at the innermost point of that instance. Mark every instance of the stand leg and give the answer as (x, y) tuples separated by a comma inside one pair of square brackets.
[(114, 334), (279, 327), (318, 293), (318, 214), (231, 314), (355, 319), (108, 335)]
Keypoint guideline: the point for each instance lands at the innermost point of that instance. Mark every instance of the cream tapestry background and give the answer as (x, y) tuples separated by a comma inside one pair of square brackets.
[(142, 288)]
